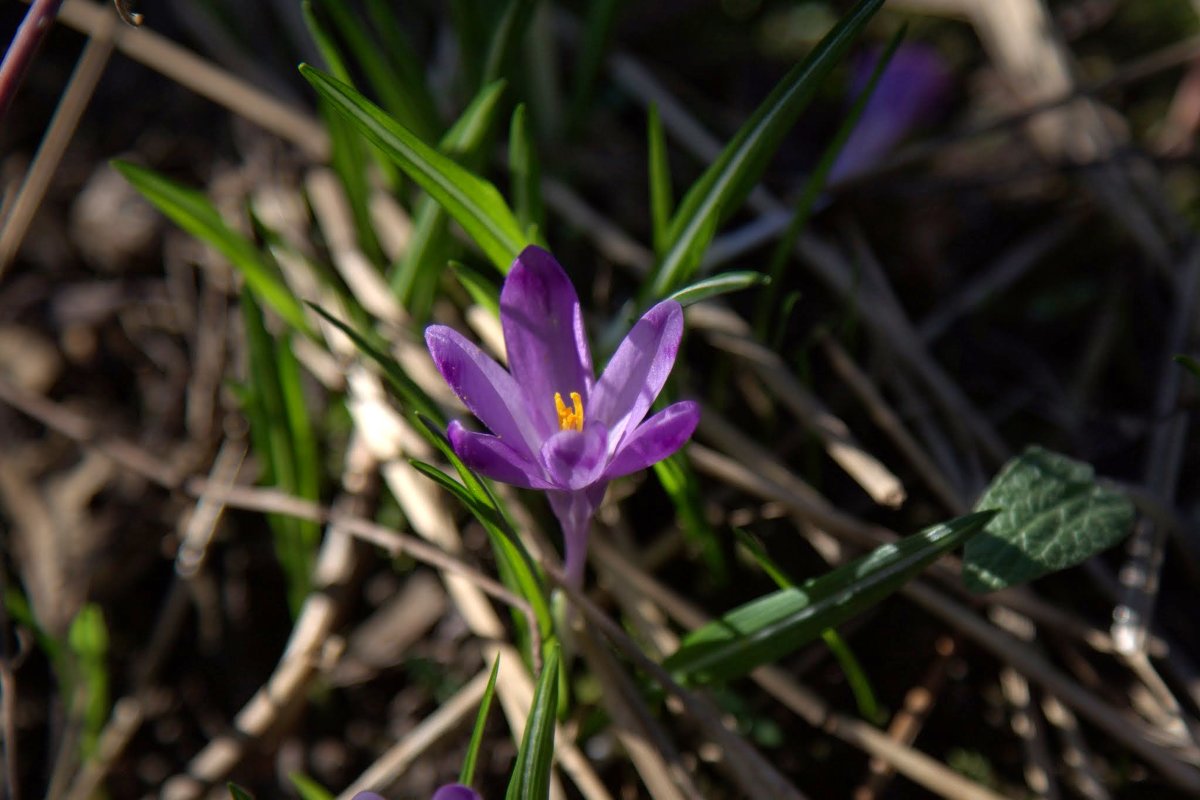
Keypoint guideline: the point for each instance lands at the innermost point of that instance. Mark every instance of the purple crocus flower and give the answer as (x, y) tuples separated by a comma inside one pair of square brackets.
[(552, 425), (915, 83), (451, 791)]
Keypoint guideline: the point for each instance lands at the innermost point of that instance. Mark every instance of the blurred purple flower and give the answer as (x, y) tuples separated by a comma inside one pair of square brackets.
[(456, 791), (538, 440), (912, 88), (451, 791)]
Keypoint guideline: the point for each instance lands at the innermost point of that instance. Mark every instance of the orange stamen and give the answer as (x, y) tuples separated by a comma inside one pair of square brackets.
[(569, 419)]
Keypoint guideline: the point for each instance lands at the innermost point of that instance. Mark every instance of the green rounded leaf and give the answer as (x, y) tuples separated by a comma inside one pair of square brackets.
[(1052, 515)]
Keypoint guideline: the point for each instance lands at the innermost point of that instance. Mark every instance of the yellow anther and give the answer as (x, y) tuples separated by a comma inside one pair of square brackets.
[(569, 419)]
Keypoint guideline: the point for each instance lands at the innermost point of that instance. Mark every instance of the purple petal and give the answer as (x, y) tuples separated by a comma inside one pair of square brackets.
[(637, 372), (456, 791), (913, 85), (490, 456), (575, 459), (367, 796), (485, 388), (655, 439), (544, 335)]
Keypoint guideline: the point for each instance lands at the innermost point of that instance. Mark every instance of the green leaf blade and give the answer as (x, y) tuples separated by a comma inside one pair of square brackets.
[(531, 774), (192, 211), (729, 179), (717, 285), (473, 202), (774, 625), (467, 774)]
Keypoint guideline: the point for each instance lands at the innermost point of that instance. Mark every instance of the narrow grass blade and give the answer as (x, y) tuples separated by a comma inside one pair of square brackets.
[(238, 793), (513, 563), (301, 436), (717, 285), (482, 291), (87, 638), (661, 199), (524, 172), (431, 245), (399, 82), (531, 773), (467, 774), (517, 567), (21, 612), (410, 394), (472, 201), (307, 788), (815, 184), (470, 23), (192, 211), (1188, 363), (597, 30), (347, 148), (856, 676), (772, 626), (506, 39), (679, 482), (282, 437), (729, 179)]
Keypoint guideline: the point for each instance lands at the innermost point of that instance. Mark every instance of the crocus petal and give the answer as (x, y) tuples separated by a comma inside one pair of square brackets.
[(913, 85), (637, 371), (490, 456), (655, 439), (575, 459), (456, 791), (544, 335), (485, 388), (367, 796)]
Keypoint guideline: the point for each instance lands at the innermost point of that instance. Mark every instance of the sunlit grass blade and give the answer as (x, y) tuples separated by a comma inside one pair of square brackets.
[(410, 394), (307, 788), (348, 150), (717, 285), (431, 244), (467, 774), (524, 172), (482, 291), (192, 211), (517, 567), (729, 179), (815, 185), (661, 195), (472, 201), (769, 628), (531, 773)]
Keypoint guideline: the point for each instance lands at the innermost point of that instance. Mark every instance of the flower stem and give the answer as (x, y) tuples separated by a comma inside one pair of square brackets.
[(24, 45)]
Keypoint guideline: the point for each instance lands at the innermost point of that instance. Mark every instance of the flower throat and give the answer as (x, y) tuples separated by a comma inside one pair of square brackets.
[(569, 419)]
